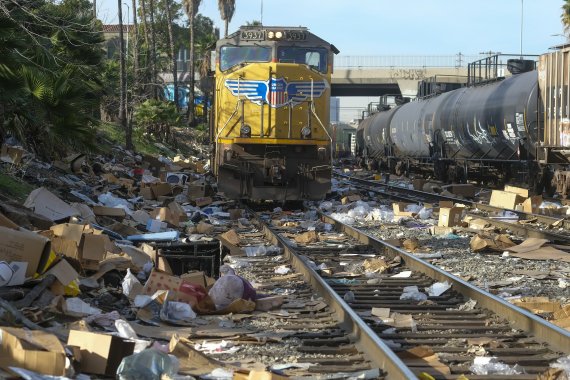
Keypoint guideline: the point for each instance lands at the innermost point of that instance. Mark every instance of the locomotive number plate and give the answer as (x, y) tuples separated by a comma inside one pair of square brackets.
[(258, 35), (295, 35)]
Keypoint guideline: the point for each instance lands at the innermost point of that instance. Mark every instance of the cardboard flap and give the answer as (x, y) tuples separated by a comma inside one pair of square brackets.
[(45, 203), (34, 339), (69, 231)]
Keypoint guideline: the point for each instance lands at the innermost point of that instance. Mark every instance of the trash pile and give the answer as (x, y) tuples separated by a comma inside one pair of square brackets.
[(109, 266), (459, 240)]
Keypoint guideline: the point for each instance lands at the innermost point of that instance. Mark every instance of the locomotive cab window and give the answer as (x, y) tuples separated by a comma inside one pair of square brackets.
[(313, 57), (231, 56)]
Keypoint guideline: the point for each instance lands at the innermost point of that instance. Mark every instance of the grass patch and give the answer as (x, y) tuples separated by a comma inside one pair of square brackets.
[(14, 188)]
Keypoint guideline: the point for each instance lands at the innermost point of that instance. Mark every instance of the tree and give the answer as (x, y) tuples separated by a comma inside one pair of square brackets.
[(565, 17), (172, 52), (153, 57), (49, 74), (191, 9), (123, 78), (227, 9)]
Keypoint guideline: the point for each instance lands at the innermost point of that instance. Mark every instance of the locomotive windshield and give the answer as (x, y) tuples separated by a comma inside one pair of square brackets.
[(231, 56), (313, 57)]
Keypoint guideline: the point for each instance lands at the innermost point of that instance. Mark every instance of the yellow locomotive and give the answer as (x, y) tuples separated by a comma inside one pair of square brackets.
[(271, 112)]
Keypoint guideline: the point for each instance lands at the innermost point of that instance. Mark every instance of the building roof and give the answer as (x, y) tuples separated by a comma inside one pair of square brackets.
[(114, 28)]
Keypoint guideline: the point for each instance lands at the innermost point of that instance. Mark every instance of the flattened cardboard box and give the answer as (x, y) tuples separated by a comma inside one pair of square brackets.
[(47, 204), (101, 354), (34, 350), (24, 246)]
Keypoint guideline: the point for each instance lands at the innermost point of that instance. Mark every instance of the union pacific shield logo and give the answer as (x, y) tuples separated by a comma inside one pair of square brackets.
[(276, 92)]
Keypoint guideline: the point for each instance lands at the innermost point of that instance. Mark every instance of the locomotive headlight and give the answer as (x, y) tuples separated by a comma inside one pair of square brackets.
[(278, 34), (306, 132), (270, 34), (245, 131)]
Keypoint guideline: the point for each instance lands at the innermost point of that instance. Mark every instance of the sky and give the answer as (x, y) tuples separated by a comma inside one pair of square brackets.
[(400, 27)]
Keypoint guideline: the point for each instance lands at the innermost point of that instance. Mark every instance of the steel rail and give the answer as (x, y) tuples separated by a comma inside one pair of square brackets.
[(367, 340), (542, 331)]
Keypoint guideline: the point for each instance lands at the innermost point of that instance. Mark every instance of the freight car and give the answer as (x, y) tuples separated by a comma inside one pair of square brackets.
[(499, 128), (271, 109)]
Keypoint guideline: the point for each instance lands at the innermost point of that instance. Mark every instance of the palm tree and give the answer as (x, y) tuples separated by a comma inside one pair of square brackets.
[(191, 9), (227, 9), (565, 17)]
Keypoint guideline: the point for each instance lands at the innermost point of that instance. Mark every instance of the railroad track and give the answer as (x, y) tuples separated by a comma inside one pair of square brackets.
[(538, 226), (405, 337)]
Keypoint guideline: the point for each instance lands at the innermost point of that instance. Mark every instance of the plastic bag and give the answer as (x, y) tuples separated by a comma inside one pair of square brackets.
[(129, 282), (149, 364), (485, 365), (262, 250), (412, 293)]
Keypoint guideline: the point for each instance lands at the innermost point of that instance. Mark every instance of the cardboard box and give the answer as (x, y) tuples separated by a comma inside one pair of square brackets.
[(11, 154), (350, 198), (109, 211), (504, 199), (45, 203), (198, 278), (464, 190), (83, 243), (418, 183), (449, 217), (203, 201), (181, 289), (400, 209), (101, 354), (517, 190), (160, 189), (33, 350), (24, 247), (439, 230), (146, 193), (196, 189), (446, 204), (531, 205), (178, 212), (94, 249)]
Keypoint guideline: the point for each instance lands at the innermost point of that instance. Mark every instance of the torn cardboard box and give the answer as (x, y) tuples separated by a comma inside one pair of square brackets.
[(34, 350), (101, 354), (24, 247)]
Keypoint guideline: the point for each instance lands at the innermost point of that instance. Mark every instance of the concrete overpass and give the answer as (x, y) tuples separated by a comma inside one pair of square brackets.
[(383, 75), (376, 82)]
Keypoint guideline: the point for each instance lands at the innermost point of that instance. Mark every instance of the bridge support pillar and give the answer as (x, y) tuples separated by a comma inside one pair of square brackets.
[(408, 87)]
